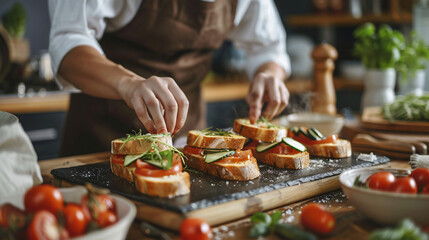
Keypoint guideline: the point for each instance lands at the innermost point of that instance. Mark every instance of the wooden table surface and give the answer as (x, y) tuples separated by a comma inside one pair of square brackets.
[(350, 224)]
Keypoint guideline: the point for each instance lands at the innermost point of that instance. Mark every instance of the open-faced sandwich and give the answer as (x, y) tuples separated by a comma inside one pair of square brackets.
[(219, 153), (319, 145), (270, 145), (152, 163)]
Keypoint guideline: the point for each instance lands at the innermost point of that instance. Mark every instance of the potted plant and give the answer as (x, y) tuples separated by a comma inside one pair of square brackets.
[(379, 50), (411, 65)]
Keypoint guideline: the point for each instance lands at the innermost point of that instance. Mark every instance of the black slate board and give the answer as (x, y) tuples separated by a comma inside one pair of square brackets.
[(207, 190)]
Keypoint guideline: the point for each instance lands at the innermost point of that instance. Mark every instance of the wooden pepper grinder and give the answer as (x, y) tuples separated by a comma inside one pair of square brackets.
[(323, 99)]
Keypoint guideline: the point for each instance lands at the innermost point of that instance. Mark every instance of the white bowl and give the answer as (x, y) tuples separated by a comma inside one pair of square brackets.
[(384, 207), (126, 213), (326, 124)]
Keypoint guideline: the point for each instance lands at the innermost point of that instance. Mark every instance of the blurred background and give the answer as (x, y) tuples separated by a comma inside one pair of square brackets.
[(28, 90)]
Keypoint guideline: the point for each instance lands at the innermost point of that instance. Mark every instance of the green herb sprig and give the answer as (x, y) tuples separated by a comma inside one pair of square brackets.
[(155, 156), (266, 122), (407, 108)]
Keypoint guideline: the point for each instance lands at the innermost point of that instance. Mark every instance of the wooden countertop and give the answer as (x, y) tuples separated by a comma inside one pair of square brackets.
[(352, 224), (38, 104)]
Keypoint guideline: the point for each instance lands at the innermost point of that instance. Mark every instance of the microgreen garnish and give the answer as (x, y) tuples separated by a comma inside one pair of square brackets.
[(209, 132), (268, 123), (155, 156)]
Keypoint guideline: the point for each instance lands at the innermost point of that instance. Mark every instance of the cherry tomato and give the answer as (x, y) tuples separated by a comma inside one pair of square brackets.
[(194, 229), (75, 219), (421, 176), (11, 214), (425, 190), (43, 197), (239, 156), (102, 203), (315, 218), (145, 169), (43, 226), (404, 185), (380, 181), (106, 219)]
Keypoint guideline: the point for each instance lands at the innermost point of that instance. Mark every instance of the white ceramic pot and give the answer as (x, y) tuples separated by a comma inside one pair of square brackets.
[(379, 87), (413, 85)]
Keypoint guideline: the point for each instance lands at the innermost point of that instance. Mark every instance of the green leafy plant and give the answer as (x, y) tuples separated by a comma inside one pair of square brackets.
[(408, 108), (15, 21), (414, 56), (378, 49), (264, 224), (406, 230)]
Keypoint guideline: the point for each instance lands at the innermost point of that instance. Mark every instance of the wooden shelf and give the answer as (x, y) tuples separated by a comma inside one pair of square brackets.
[(312, 20), (36, 104)]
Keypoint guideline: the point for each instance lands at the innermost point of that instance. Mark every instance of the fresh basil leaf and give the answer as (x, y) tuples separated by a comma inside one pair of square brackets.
[(259, 229), (275, 217), (261, 217)]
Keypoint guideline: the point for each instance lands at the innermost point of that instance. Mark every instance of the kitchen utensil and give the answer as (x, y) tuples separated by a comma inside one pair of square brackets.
[(217, 200)]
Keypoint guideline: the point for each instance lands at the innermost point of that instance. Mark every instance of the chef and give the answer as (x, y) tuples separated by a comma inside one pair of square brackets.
[(138, 64)]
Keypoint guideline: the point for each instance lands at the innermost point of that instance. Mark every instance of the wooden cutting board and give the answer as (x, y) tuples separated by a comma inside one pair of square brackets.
[(372, 118), (217, 200)]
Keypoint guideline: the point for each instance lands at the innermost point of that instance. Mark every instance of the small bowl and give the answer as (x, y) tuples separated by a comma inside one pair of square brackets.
[(384, 207), (326, 124), (126, 213)]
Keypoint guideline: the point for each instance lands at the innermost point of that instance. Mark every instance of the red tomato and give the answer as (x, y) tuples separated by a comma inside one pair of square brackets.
[(380, 181), (43, 197), (315, 218), (307, 141), (425, 190), (239, 156), (106, 219), (117, 158), (43, 226), (404, 185), (11, 214), (193, 150), (421, 176), (145, 169), (194, 229), (282, 149), (75, 219), (102, 203), (252, 143)]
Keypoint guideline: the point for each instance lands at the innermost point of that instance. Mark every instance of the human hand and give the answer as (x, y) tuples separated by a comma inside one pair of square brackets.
[(266, 87), (158, 102)]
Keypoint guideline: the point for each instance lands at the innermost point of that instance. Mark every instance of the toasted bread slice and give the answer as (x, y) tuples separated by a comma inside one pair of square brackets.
[(295, 161), (140, 145), (242, 171), (168, 186), (124, 172), (259, 131), (201, 140), (339, 149)]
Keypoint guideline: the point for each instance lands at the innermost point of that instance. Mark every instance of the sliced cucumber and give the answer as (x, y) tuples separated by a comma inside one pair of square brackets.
[(262, 147), (315, 132), (212, 150), (294, 144), (213, 157), (294, 129), (303, 131), (129, 159)]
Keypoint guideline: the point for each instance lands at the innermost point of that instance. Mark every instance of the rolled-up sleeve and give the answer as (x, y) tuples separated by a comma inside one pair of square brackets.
[(260, 33), (73, 23)]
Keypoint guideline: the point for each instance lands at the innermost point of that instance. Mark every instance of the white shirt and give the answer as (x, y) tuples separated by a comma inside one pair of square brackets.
[(257, 29)]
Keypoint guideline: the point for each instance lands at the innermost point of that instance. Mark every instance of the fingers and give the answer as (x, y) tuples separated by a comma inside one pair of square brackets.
[(284, 94), (141, 111), (183, 106), (169, 104), (154, 108), (273, 97), (254, 99)]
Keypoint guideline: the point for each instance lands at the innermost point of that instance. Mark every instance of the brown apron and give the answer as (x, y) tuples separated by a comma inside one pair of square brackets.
[(166, 38)]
